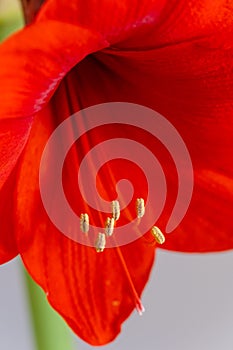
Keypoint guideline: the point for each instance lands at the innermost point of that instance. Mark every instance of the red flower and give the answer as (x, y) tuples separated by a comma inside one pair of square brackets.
[(174, 57)]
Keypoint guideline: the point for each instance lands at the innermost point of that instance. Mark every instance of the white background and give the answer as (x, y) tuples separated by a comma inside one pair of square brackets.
[(188, 301)]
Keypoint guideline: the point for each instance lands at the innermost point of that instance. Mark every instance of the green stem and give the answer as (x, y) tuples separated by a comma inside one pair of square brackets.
[(51, 332), (9, 23)]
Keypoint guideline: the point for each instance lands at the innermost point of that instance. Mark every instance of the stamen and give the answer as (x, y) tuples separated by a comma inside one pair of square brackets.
[(100, 242), (109, 226), (158, 235), (84, 223), (140, 208), (115, 210)]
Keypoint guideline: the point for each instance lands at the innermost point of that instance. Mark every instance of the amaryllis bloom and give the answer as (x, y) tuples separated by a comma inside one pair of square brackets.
[(174, 57)]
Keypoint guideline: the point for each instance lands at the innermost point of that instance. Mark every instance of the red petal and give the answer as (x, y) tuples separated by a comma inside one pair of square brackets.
[(93, 292), (112, 19), (8, 247), (45, 62), (31, 79), (14, 134), (29, 73)]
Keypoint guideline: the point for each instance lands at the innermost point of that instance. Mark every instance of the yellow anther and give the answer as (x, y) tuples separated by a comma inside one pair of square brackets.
[(109, 226), (100, 242), (140, 208), (158, 235), (84, 223), (115, 210)]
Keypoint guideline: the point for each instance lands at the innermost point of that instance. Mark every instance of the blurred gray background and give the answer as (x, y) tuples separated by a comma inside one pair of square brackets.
[(188, 301)]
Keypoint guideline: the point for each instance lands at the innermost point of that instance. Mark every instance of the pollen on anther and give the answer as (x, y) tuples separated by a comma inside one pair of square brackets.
[(158, 235), (140, 208), (115, 210), (100, 242), (109, 226), (84, 223)]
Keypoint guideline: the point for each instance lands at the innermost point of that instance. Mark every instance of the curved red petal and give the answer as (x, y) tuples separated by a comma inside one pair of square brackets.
[(29, 74), (114, 19), (92, 291), (8, 246)]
